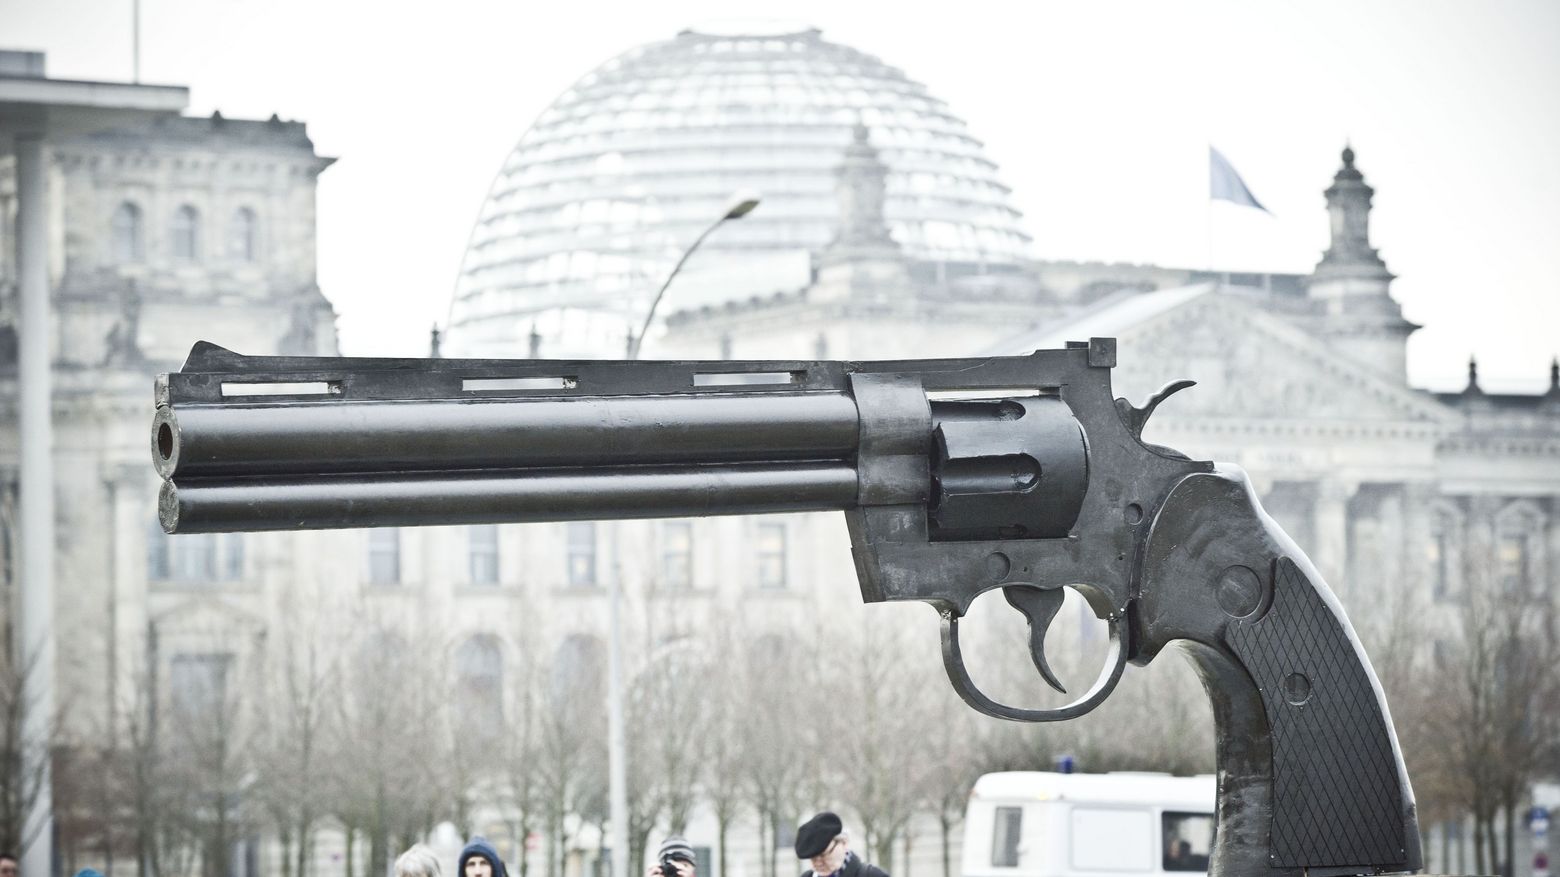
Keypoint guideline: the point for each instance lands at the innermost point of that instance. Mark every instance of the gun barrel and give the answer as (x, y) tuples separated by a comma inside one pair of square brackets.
[(206, 505), (320, 438), (273, 443)]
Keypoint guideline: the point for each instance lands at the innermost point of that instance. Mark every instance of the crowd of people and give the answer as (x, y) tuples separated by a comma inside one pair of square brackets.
[(821, 841)]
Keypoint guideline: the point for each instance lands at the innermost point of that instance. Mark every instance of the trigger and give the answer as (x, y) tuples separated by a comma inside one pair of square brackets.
[(1038, 607)]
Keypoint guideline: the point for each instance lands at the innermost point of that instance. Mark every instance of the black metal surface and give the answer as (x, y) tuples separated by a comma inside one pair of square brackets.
[(249, 438), (1014, 469), (1336, 795), (208, 505), (1310, 777)]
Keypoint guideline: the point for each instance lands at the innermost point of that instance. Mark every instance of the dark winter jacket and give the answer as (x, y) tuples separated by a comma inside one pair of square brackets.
[(853, 867), (480, 847)]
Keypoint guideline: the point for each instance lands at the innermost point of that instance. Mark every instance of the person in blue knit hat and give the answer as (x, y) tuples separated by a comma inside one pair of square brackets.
[(479, 859)]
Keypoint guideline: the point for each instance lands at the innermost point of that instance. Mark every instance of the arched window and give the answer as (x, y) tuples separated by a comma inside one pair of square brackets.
[(1444, 553), (185, 233), (578, 673), (242, 231), (125, 231), (1519, 549), (479, 687), (198, 688)]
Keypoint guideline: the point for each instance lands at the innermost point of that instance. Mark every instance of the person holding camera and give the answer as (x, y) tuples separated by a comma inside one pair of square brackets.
[(674, 859), (822, 841)]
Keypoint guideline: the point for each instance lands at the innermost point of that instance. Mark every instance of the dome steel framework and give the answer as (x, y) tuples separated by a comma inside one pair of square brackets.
[(625, 168)]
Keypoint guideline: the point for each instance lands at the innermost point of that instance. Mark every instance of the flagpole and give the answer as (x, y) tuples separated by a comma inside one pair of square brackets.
[(1208, 210)]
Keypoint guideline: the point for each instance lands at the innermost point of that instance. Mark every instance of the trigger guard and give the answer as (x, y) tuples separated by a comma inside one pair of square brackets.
[(953, 663)]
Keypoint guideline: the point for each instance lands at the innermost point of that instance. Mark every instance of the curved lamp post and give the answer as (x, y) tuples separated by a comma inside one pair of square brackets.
[(741, 204)]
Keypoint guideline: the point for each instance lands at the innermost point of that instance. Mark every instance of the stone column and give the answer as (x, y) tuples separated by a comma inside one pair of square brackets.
[(1388, 550), (1479, 569), (129, 510), (1330, 526), (35, 401), (1417, 500)]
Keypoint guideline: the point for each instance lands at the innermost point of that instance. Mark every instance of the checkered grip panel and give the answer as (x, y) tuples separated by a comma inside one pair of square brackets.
[(1336, 795)]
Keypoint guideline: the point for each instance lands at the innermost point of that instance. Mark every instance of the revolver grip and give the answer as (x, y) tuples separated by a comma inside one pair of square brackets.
[(1304, 739)]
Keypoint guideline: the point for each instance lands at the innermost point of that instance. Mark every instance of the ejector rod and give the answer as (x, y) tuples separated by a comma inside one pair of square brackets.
[(214, 505), (329, 437)]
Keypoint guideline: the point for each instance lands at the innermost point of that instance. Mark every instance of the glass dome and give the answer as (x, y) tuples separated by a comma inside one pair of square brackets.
[(629, 166)]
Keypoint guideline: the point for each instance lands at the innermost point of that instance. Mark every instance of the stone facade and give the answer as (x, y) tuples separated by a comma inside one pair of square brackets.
[(183, 229)]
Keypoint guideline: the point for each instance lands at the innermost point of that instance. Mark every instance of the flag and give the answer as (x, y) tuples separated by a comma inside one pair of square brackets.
[(1226, 185)]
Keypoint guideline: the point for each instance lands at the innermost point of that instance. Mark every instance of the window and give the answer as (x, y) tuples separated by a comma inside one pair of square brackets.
[(232, 556), (578, 673), (581, 560), (1439, 551), (159, 567), (1005, 837), (241, 235), (1187, 841), (677, 555), (483, 555), (384, 556), (194, 558), (1519, 549), (185, 234), (479, 668), (1112, 839), (771, 556), (125, 232), (7, 553), (1512, 564), (197, 685)]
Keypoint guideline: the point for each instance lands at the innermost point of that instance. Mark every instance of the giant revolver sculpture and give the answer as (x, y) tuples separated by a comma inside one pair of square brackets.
[(956, 476)]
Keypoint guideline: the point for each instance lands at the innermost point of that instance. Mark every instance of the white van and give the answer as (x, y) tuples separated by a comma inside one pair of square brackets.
[(1088, 825)]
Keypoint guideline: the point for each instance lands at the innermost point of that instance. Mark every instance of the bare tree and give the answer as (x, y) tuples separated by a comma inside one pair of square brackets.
[(953, 765), (22, 758), (299, 677), (724, 753), (1494, 709), (385, 726), (526, 695), (776, 726), (883, 707), (666, 721), (572, 740)]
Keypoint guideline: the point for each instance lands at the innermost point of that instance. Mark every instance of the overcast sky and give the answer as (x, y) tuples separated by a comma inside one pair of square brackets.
[(1098, 114)]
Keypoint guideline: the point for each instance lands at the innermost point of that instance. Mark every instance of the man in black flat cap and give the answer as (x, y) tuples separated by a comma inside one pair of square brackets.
[(822, 841)]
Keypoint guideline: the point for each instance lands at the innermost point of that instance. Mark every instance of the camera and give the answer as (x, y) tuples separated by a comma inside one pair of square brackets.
[(668, 868)]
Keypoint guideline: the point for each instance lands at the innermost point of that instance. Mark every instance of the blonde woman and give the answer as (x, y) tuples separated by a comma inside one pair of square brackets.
[(419, 861)]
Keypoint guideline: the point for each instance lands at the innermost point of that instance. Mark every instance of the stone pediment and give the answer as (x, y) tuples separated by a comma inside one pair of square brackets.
[(204, 618), (1253, 365)]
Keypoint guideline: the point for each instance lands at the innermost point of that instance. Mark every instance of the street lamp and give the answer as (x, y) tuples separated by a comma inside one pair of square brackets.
[(741, 204)]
